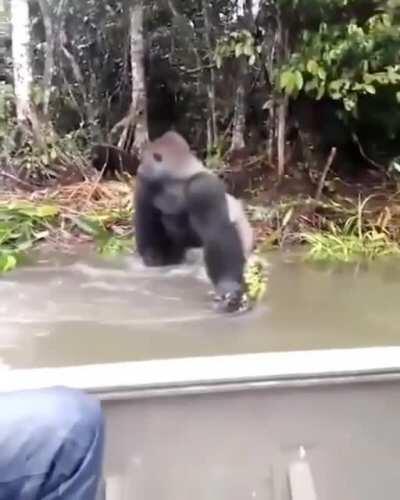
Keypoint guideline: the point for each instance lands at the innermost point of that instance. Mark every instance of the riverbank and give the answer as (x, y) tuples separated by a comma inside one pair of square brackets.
[(335, 228), (64, 217)]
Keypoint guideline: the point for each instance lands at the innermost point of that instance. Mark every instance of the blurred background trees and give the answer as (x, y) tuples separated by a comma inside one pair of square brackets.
[(282, 81)]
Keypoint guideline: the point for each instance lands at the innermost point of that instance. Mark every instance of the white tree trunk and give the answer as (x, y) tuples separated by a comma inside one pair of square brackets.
[(45, 7), (239, 121), (21, 58), (139, 97), (255, 8), (239, 10), (212, 127)]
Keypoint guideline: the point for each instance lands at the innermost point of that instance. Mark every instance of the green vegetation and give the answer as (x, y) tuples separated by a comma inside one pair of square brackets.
[(293, 81), (100, 228), (346, 61), (21, 226), (358, 238), (256, 280), (342, 247), (65, 217), (101, 214), (331, 231)]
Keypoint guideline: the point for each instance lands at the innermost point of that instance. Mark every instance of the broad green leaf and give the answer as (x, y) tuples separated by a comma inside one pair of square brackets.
[(370, 89), (285, 79), (321, 92), (322, 73), (299, 80), (8, 262), (46, 211), (291, 81), (89, 226), (312, 67), (238, 50)]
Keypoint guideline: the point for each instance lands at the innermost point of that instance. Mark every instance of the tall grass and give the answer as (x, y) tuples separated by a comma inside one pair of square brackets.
[(356, 239)]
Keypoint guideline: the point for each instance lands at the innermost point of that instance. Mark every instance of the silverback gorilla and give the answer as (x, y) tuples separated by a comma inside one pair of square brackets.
[(179, 204)]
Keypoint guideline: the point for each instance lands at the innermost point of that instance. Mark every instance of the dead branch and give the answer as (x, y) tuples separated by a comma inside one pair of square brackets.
[(15, 179), (364, 154), (327, 166)]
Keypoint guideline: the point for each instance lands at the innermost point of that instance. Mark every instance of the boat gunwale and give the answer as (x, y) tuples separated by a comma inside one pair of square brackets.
[(208, 374)]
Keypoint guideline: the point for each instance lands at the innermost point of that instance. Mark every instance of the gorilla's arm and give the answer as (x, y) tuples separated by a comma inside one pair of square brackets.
[(153, 244), (223, 250)]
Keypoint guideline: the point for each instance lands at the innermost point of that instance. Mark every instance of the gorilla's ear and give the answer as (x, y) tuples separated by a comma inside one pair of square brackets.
[(157, 157)]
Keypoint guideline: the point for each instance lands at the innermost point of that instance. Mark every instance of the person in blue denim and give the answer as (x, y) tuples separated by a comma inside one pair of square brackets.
[(51, 445)]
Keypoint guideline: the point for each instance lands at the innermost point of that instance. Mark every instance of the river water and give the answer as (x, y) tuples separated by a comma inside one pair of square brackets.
[(81, 309)]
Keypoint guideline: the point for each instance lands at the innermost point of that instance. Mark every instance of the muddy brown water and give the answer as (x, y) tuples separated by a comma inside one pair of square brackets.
[(81, 309)]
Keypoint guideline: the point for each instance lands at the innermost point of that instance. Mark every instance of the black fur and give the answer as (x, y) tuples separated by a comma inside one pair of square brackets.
[(172, 216)]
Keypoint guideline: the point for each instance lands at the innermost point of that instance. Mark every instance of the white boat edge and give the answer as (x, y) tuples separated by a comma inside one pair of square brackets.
[(142, 376)]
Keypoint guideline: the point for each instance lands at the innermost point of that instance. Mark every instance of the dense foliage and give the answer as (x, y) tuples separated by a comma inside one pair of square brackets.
[(275, 62), (291, 82)]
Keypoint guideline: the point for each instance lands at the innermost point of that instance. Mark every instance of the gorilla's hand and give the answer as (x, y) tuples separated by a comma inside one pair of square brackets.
[(232, 302)]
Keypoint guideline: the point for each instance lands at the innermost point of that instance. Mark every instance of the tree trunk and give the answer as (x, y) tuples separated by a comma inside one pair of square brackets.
[(283, 37), (212, 139), (135, 133), (255, 8), (271, 132), (49, 59), (22, 67), (21, 59), (243, 16), (139, 97), (239, 122), (281, 139)]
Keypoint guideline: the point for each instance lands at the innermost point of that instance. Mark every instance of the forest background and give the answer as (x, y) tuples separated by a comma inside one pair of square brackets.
[(294, 103)]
